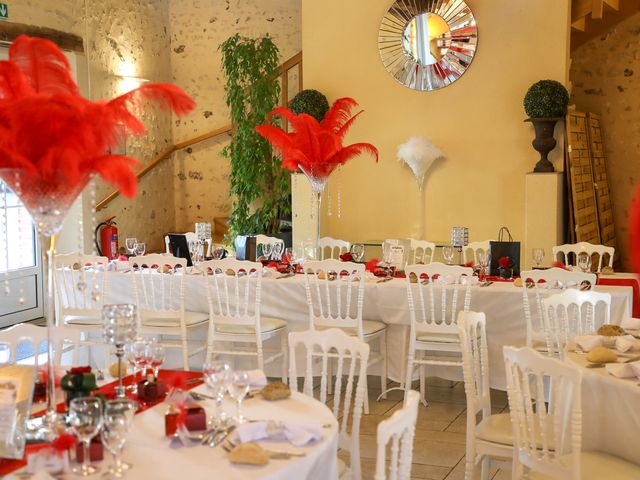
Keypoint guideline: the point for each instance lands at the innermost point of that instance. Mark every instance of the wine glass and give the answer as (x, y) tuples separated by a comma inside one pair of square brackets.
[(136, 355), (584, 261), (538, 256), (238, 389), (130, 243), (216, 376), (117, 420), (481, 258), (157, 357), (141, 248), (387, 253), (85, 418), (447, 253), (267, 248), (357, 252), (278, 249), (218, 253)]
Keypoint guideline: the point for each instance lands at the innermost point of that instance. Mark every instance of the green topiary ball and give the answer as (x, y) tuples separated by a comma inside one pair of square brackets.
[(546, 99), (311, 102)]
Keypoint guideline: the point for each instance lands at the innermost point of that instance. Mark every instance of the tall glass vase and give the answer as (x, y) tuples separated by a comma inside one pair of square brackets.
[(48, 198), (317, 188)]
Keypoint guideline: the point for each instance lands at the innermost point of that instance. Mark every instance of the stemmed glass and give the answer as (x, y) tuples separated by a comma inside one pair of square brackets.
[(481, 257), (136, 355), (217, 376), (238, 389), (119, 329), (141, 248), (156, 351), (357, 252), (538, 256), (266, 250), (218, 253), (447, 253), (278, 249), (130, 243), (85, 418), (386, 259), (584, 261), (118, 417)]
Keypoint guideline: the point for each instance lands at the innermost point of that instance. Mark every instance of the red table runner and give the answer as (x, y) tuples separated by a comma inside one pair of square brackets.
[(170, 376)]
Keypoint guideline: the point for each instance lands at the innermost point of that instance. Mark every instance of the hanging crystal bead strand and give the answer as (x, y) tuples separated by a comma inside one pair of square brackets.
[(95, 293), (21, 296), (5, 230), (329, 211), (339, 196), (82, 284)]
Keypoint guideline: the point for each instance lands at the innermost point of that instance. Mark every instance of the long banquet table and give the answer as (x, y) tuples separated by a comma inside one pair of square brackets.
[(285, 298)]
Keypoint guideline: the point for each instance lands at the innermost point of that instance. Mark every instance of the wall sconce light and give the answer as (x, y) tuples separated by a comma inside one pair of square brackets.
[(127, 83)]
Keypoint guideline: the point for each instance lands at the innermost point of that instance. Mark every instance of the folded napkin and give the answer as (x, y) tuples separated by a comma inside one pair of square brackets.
[(257, 378), (622, 343), (623, 370), (297, 434), (588, 342), (625, 343), (630, 323)]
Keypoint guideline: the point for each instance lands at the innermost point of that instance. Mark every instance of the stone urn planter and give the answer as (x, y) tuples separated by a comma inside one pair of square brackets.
[(544, 142)]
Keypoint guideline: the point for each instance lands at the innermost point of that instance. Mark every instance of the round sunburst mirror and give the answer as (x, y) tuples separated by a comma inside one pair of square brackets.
[(427, 44)]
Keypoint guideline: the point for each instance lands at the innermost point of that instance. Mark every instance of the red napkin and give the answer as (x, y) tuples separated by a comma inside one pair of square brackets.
[(346, 257)]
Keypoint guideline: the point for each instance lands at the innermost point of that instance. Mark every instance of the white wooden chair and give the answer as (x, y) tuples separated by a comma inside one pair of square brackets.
[(266, 240), (158, 287), (548, 436), (475, 247), (421, 251), (336, 301), (191, 237), (399, 430), (491, 438), (563, 252), (80, 283), (64, 339), (335, 344), (336, 247), (572, 313), (542, 283), (433, 316), (233, 293)]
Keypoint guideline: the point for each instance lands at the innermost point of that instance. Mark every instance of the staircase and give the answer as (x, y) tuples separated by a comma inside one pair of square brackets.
[(591, 18)]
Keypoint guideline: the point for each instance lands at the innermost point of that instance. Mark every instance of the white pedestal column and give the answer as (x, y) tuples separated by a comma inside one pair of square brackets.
[(544, 222), (304, 226)]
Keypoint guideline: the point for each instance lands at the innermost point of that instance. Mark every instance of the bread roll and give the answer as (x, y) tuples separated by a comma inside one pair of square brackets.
[(611, 330), (275, 391), (602, 355), (249, 454)]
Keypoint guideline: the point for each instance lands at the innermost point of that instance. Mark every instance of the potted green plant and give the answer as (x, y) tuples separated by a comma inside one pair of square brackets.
[(545, 103), (258, 187)]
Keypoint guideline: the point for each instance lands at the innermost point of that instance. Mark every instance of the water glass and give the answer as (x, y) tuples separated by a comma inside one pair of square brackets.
[(266, 250), (357, 252), (141, 248), (218, 253), (130, 243), (217, 377), (584, 262), (447, 253), (117, 420), (278, 250), (85, 418), (538, 256), (238, 389)]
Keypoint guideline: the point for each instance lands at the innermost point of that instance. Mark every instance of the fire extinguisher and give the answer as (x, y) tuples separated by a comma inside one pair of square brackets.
[(108, 245)]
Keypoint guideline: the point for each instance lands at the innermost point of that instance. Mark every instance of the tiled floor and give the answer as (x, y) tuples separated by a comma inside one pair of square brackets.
[(439, 444)]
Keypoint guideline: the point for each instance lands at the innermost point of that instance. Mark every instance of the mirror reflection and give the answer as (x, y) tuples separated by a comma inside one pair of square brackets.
[(426, 38)]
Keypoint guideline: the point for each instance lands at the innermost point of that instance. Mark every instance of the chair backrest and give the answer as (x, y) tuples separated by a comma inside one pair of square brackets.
[(421, 251), (575, 248), (63, 338), (233, 292), (542, 282), (544, 432), (475, 365), (434, 300), (335, 294), (158, 286), (399, 429), (475, 247), (341, 348), (572, 313), (263, 240), (336, 247), (80, 284)]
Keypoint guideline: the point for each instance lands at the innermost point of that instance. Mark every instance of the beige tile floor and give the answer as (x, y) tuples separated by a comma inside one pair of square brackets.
[(439, 443)]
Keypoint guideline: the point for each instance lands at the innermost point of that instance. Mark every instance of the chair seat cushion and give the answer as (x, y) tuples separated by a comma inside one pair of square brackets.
[(369, 327), (85, 320), (267, 324), (190, 318), (598, 466), (438, 337), (496, 429)]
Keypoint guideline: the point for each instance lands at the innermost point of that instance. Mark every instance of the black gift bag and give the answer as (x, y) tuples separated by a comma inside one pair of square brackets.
[(504, 247)]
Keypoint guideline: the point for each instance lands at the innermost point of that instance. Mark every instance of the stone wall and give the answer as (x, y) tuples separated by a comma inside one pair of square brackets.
[(605, 74), (197, 29)]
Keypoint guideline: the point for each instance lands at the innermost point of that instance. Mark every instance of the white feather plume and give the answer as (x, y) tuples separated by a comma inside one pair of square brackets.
[(419, 154)]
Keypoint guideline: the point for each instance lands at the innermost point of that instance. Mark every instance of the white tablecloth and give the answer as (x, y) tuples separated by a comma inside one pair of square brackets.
[(387, 302), (610, 411)]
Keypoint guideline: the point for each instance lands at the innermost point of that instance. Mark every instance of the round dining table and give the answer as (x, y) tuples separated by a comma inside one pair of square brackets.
[(149, 451), (610, 410)]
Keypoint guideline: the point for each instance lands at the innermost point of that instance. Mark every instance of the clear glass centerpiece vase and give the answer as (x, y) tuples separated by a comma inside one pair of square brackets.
[(48, 198), (317, 188)]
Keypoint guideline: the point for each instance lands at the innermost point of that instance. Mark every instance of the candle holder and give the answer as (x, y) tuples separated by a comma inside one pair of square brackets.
[(119, 324), (459, 239)]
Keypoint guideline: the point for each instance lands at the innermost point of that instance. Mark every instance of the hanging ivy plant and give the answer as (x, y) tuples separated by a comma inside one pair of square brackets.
[(259, 188)]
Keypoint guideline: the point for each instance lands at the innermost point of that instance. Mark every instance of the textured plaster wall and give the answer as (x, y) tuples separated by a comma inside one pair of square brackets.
[(197, 29), (605, 74)]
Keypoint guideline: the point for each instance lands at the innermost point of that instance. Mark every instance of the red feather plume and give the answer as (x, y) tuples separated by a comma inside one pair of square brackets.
[(315, 147), (58, 139)]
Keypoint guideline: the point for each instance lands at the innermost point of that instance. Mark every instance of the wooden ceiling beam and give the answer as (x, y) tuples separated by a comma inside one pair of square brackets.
[(579, 25), (585, 28)]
